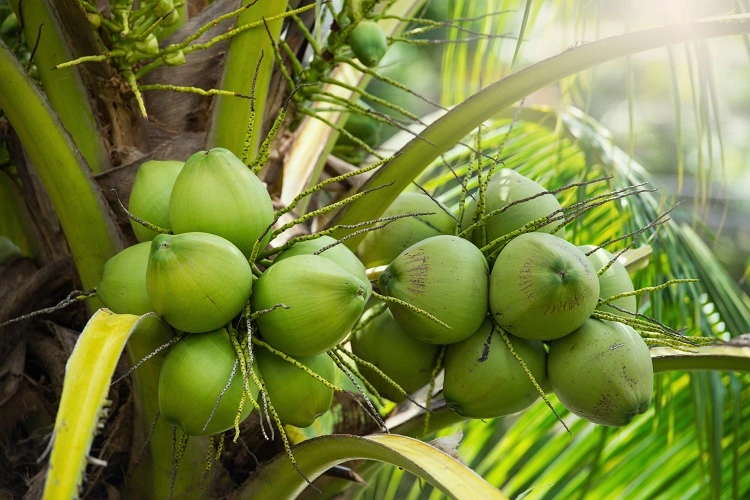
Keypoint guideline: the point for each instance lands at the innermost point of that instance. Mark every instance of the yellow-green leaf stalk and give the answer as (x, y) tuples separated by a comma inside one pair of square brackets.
[(64, 88), (230, 118), (87, 378), (91, 233), (279, 479)]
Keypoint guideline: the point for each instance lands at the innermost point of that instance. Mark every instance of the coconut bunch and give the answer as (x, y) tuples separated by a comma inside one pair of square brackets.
[(507, 306), (202, 266)]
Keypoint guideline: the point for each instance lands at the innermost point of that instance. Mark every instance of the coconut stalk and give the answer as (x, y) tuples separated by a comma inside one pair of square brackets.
[(230, 120), (91, 234), (64, 88)]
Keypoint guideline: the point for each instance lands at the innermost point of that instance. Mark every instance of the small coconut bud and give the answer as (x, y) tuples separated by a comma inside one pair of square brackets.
[(174, 58), (148, 46), (368, 43)]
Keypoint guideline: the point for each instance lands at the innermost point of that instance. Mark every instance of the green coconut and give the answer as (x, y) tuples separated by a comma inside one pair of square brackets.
[(322, 299), (194, 375), (406, 360), (445, 276), (380, 247), (197, 282), (484, 380), (368, 43), (602, 372), (123, 285), (613, 281), (216, 193), (508, 186), (338, 253), (542, 287), (297, 397), (149, 198)]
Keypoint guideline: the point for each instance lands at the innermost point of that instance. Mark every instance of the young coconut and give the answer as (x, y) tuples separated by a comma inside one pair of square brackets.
[(484, 380), (445, 276), (216, 193), (123, 284), (406, 360), (197, 282), (613, 281), (339, 254), (380, 247), (322, 302), (297, 397), (195, 375), (505, 187), (602, 372), (542, 287), (149, 198), (368, 43)]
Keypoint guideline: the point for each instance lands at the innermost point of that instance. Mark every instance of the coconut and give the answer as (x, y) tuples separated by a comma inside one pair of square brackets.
[(368, 42), (193, 377), (613, 281), (296, 396), (197, 282), (380, 247), (322, 299), (505, 187), (406, 360), (338, 253), (484, 380), (216, 193), (542, 287), (123, 285), (602, 372), (149, 198), (445, 276)]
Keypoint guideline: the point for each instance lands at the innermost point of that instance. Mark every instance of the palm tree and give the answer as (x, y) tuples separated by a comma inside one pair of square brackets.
[(289, 81)]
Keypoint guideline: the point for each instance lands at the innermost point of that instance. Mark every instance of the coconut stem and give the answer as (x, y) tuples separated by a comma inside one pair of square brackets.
[(321, 185), (326, 209), (641, 291), (72, 298), (209, 465), (299, 365), (411, 307), (370, 410), (341, 352), (525, 368), (382, 374), (140, 221), (178, 452)]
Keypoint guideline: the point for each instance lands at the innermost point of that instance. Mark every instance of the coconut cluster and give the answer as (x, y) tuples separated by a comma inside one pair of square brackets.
[(513, 328), (207, 219), (506, 312)]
